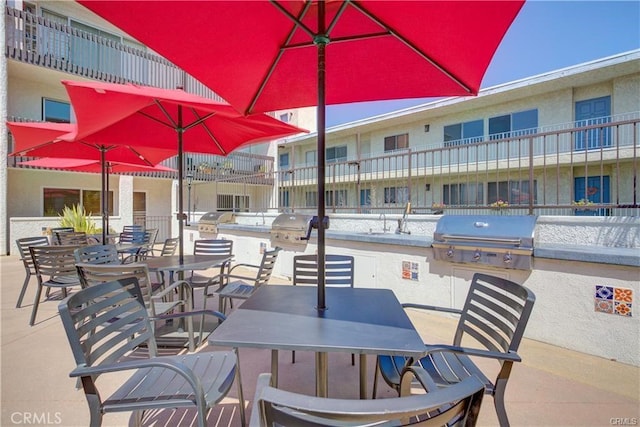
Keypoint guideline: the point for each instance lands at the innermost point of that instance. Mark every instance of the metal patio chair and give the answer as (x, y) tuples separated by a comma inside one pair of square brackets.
[(457, 405), (169, 248), (54, 230), (105, 324), (494, 317), (210, 247), (55, 268), (97, 254), (339, 272), (237, 286), (25, 256), (66, 238)]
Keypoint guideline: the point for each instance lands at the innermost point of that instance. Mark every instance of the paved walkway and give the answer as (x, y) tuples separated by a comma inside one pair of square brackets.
[(551, 387)]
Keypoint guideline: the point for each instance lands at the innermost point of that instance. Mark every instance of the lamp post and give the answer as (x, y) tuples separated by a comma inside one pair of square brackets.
[(189, 182)]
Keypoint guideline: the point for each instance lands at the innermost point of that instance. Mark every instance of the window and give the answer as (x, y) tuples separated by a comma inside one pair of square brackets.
[(311, 199), (56, 111), (513, 192), (339, 200), (397, 195), (232, 203), (55, 43), (286, 117), (514, 124), (284, 199), (396, 142), (464, 133), (336, 154), (311, 158), (462, 194), (283, 161), (55, 199)]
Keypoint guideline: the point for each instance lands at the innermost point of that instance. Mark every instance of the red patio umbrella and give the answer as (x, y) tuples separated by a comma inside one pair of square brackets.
[(91, 166), (166, 119), (45, 140), (265, 56)]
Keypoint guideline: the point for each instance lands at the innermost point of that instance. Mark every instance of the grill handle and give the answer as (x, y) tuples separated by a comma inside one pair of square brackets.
[(450, 238)]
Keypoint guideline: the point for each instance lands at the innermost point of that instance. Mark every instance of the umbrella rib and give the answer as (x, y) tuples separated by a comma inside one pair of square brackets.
[(297, 23), (426, 57), (200, 120), (211, 135)]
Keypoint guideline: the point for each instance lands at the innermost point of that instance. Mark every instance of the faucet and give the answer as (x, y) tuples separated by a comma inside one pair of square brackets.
[(402, 222), (260, 213), (384, 226)]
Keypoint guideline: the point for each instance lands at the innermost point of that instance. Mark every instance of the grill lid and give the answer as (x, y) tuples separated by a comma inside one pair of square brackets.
[(216, 217), (489, 230), (292, 222)]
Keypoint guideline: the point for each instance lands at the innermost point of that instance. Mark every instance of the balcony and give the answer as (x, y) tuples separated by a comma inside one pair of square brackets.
[(39, 41), (543, 171)]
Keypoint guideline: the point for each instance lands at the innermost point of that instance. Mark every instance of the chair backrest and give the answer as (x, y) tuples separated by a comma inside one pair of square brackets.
[(213, 247), (266, 266), (132, 228), (495, 313), (23, 247), (105, 323), (169, 247), (456, 405), (93, 274), (53, 261), (97, 254), (71, 238), (150, 236), (54, 230), (133, 237), (339, 270)]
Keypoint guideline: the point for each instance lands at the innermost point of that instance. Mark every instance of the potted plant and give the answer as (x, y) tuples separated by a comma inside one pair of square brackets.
[(76, 217)]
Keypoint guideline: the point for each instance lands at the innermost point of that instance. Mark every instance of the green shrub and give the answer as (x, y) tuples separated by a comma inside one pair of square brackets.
[(76, 217)]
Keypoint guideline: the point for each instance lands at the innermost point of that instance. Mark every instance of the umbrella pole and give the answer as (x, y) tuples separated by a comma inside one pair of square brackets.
[(321, 41), (103, 195), (180, 191)]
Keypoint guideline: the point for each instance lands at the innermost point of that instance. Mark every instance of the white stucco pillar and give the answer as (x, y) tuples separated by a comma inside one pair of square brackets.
[(4, 145), (125, 201)]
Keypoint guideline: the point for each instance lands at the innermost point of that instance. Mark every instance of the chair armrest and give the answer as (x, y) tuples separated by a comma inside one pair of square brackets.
[(509, 356), (432, 308), (154, 362), (264, 381), (421, 375), (213, 313), (243, 265)]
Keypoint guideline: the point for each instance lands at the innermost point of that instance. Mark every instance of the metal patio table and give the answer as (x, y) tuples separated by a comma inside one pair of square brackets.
[(189, 262), (357, 320)]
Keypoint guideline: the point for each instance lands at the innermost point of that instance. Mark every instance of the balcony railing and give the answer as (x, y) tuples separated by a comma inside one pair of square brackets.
[(39, 41), (580, 170)]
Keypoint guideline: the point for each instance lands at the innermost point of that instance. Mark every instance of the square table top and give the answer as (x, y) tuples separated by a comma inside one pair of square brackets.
[(357, 320)]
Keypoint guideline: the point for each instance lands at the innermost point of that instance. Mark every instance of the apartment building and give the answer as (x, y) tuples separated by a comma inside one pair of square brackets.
[(561, 143)]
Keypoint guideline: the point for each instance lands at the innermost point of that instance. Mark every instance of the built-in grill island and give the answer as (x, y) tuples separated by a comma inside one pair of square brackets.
[(504, 241), (291, 231), (208, 224)]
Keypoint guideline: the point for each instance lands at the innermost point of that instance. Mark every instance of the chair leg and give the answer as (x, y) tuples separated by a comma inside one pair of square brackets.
[(243, 421), (375, 379), (24, 289), (36, 301), (293, 357), (498, 402)]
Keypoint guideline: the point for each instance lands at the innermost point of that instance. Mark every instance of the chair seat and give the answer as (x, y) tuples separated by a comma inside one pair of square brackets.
[(62, 281), (237, 289), (216, 372), (444, 368)]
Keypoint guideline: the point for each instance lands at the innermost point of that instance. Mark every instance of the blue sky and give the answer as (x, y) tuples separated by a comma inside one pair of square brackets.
[(545, 36)]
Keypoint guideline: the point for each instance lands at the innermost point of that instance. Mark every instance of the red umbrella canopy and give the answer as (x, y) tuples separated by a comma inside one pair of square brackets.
[(261, 56), (149, 117), (53, 140), (93, 166)]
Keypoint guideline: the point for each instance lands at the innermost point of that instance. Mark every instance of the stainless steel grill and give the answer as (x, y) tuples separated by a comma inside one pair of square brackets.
[(290, 230), (208, 223), (498, 241)]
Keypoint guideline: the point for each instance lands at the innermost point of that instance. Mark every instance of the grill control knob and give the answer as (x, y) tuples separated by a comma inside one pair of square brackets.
[(476, 256), (507, 258), (450, 252)]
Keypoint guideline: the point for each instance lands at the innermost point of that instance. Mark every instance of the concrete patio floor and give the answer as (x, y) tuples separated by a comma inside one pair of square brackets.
[(551, 387)]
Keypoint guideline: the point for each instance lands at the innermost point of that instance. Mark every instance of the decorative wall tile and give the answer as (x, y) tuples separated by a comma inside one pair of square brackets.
[(410, 270), (612, 300)]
